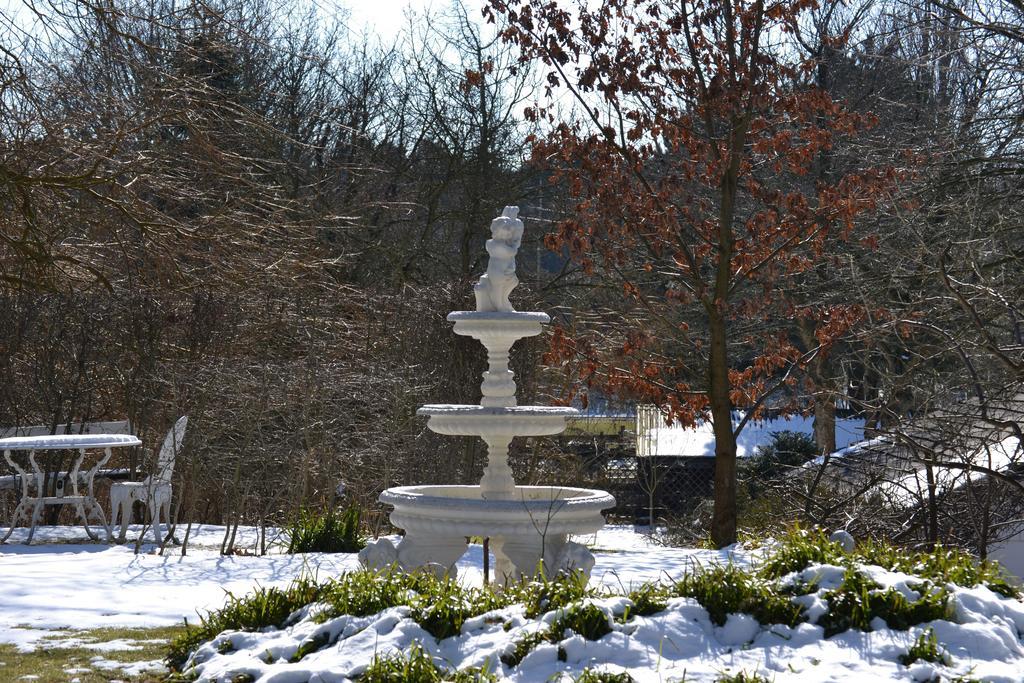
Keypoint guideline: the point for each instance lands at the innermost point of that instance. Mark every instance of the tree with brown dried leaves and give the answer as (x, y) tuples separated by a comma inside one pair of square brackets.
[(694, 122)]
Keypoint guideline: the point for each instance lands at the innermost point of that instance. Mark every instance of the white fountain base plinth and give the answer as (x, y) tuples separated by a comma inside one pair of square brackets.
[(531, 526)]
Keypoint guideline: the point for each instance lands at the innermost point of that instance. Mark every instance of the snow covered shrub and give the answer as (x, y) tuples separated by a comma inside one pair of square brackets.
[(443, 606), (439, 605), (859, 601), (417, 667), (523, 646), (358, 593), (803, 578), (586, 620), (786, 450), (308, 647), (264, 607), (723, 590), (333, 531), (941, 565)]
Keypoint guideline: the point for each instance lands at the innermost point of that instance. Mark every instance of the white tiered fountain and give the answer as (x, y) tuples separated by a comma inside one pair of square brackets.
[(528, 526)]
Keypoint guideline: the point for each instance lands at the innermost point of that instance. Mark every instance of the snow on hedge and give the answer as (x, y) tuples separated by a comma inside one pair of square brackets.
[(979, 638)]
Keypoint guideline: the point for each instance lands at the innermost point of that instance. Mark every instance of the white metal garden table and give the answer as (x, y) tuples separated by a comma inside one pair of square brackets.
[(84, 503)]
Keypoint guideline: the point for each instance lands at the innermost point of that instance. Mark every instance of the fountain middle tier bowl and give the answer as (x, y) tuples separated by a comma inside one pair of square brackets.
[(460, 511), (511, 325), (474, 420)]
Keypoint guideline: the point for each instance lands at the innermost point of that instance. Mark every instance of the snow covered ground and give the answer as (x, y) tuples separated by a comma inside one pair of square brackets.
[(700, 440), (62, 582), (65, 583)]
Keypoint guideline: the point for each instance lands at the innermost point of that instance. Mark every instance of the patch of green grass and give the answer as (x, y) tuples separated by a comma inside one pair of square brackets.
[(524, 646), (332, 531), (926, 648), (362, 593), (544, 595), (648, 599), (722, 590), (883, 554), (742, 677), (473, 674), (799, 587), (589, 676), (311, 645), (588, 621), (798, 549), (443, 606), (859, 600), (440, 605), (416, 667), (52, 660)]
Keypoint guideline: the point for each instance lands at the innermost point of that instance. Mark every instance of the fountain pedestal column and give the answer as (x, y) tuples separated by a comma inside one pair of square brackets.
[(497, 482), (498, 331)]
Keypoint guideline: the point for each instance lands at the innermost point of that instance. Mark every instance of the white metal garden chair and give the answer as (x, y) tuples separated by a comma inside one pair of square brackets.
[(154, 490)]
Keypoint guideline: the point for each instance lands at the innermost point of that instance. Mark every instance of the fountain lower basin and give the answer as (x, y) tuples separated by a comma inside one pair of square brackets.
[(528, 532), (532, 510)]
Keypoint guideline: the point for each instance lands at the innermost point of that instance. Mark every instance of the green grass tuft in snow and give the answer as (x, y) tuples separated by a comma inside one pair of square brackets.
[(925, 648), (722, 590)]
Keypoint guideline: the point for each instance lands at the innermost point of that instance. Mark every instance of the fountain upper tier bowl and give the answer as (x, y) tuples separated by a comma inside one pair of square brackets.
[(474, 420)]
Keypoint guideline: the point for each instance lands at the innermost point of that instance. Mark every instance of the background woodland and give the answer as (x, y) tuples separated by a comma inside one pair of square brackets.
[(242, 211)]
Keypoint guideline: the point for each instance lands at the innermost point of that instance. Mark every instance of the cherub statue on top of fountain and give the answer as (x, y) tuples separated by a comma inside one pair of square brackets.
[(500, 279)]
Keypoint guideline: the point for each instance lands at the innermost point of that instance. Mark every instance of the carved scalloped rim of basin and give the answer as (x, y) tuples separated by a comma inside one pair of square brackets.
[(459, 510), (474, 420), (510, 317), (507, 325)]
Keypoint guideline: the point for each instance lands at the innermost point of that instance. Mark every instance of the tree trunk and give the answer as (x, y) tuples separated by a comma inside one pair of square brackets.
[(818, 372), (933, 508), (723, 523), (825, 423)]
